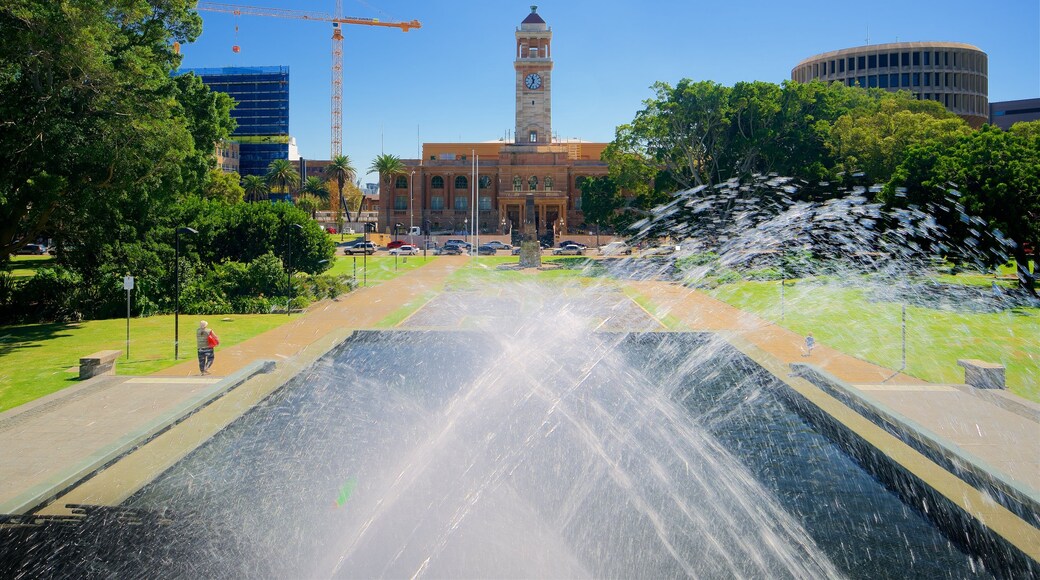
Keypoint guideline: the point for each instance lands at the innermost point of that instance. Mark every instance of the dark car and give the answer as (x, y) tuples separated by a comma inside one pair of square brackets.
[(486, 250), (395, 244), (33, 250), (449, 250)]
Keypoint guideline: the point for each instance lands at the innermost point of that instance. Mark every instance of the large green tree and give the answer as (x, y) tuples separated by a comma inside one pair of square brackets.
[(223, 186), (600, 201), (989, 175), (97, 135)]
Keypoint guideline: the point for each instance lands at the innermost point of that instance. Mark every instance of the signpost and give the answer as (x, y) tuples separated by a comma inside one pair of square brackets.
[(128, 285)]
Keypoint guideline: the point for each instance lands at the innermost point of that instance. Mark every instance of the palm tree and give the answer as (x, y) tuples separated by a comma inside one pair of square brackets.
[(315, 186), (255, 187), (342, 170), (281, 171), (388, 167)]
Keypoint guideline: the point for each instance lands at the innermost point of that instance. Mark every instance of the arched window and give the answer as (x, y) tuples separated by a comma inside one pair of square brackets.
[(461, 182), (437, 182), (548, 183), (485, 181), (532, 183), (402, 182), (518, 183)]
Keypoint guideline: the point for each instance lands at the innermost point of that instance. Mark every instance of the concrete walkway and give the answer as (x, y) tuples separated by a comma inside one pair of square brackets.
[(997, 437), (51, 444)]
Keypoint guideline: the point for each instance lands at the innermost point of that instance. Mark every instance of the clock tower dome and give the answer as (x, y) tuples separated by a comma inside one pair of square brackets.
[(533, 67)]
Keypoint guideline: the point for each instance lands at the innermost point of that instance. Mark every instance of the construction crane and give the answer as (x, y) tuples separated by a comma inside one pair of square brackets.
[(337, 46)]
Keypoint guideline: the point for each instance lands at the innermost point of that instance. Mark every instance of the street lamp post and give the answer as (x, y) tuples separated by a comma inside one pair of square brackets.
[(177, 286), (288, 273)]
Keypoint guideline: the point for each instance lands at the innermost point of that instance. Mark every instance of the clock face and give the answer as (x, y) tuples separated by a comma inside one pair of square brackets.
[(533, 81)]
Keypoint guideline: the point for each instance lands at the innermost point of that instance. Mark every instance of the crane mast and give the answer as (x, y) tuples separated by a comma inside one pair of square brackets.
[(337, 21)]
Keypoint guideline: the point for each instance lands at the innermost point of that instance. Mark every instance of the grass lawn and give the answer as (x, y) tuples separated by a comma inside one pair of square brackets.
[(843, 318), (34, 358), (26, 266), (380, 268)]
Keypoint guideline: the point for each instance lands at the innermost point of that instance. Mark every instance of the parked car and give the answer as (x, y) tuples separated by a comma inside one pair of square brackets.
[(361, 248), (462, 243), (486, 250), (449, 250), (615, 249), (499, 245), (33, 250), (570, 242), (404, 250), (395, 244), (569, 250)]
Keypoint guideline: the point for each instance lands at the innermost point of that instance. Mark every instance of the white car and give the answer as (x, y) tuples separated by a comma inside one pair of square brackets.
[(405, 250), (569, 250), (499, 245)]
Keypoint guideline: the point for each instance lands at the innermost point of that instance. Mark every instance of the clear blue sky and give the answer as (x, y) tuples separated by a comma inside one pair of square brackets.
[(452, 80)]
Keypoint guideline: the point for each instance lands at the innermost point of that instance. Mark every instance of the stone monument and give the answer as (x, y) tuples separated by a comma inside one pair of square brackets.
[(530, 251)]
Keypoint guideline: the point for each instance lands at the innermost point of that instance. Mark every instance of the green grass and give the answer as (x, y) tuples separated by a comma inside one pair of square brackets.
[(843, 318), (380, 268), (34, 357), (26, 266)]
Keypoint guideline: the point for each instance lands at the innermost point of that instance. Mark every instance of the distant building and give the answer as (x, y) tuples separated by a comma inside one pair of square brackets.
[(1006, 113), (262, 111), (436, 193), (951, 73), (227, 153)]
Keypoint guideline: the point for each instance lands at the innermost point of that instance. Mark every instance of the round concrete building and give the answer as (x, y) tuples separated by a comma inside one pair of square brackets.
[(953, 73)]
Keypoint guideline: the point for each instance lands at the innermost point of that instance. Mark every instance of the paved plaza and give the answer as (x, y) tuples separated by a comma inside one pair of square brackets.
[(135, 427)]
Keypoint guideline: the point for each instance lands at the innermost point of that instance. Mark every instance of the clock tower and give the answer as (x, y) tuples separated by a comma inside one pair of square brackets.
[(533, 67)]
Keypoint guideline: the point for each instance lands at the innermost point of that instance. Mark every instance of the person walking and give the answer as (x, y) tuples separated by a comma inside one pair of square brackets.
[(810, 343), (205, 340)]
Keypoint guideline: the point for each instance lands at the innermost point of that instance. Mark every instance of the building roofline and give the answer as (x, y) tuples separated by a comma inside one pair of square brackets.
[(886, 47)]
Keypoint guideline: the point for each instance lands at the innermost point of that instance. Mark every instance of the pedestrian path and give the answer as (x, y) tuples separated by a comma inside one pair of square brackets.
[(51, 444)]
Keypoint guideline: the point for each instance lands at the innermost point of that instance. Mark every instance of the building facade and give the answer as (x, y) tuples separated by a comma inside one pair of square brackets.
[(1004, 114), (262, 111), (952, 73), (227, 154), (455, 186)]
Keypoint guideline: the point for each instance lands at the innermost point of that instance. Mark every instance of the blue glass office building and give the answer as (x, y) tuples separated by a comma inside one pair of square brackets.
[(262, 94)]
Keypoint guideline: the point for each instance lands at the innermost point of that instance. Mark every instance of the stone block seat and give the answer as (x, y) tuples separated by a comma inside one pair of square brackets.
[(981, 374), (102, 362)]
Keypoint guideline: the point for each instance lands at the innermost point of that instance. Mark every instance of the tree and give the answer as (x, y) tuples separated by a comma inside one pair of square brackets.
[(316, 188), (600, 199), (342, 170), (255, 188), (282, 173), (92, 119), (986, 178), (874, 139), (388, 167), (223, 186)]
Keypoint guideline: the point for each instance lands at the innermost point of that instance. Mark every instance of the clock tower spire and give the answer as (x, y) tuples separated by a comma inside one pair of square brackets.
[(533, 67)]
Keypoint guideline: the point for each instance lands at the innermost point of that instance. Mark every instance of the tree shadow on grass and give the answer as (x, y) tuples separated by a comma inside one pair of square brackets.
[(15, 338)]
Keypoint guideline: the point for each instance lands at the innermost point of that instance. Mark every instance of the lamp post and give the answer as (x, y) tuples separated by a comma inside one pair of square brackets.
[(177, 286), (288, 273), (364, 266)]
